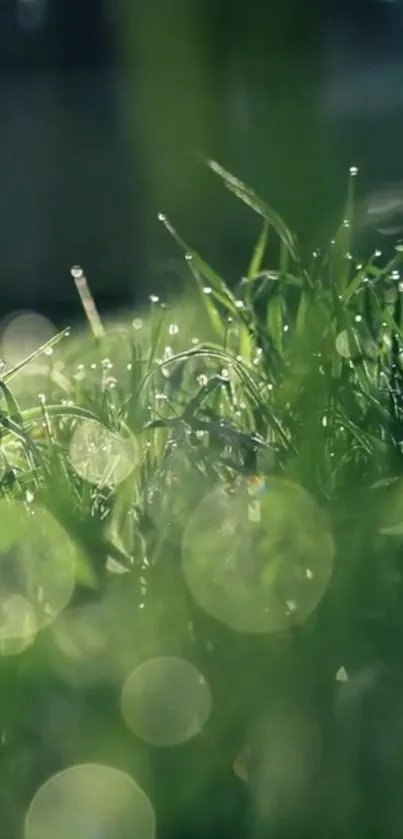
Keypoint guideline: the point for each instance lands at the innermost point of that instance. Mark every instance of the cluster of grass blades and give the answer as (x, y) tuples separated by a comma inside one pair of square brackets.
[(131, 482), (295, 372)]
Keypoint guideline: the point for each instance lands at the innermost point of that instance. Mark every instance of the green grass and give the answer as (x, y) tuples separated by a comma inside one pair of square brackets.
[(296, 370), (295, 373)]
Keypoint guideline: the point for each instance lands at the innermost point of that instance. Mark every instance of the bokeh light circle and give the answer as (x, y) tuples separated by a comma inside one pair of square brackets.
[(90, 801), (166, 701), (37, 573), (258, 563), (100, 456), (18, 625), (23, 334)]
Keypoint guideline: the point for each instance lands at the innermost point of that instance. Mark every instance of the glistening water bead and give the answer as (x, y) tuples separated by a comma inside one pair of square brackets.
[(76, 272)]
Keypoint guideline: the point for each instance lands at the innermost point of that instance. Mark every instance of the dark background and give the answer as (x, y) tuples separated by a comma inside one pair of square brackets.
[(104, 109)]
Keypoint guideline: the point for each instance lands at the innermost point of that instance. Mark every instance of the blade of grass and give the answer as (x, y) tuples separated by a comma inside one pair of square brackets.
[(11, 402), (249, 197), (216, 282), (252, 387), (340, 260), (255, 266), (88, 302), (275, 320), (9, 374)]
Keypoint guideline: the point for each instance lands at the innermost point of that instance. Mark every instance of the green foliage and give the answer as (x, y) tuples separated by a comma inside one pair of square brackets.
[(296, 368), (296, 372)]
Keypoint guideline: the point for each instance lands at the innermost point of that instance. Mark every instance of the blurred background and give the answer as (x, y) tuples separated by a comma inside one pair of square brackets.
[(106, 110)]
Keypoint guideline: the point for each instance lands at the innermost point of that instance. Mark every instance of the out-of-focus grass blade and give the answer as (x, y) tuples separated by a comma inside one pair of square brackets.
[(88, 302), (11, 402), (278, 277), (302, 312), (34, 414), (9, 374), (246, 344), (372, 271), (356, 282), (195, 403), (249, 197), (212, 311), (156, 330), (341, 252), (275, 321), (387, 316), (255, 266), (284, 258), (343, 322), (16, 430)]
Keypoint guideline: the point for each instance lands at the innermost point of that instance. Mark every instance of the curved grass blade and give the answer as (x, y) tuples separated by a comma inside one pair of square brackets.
[(34, 414), (249, 197), (252, 387), (216, 282)]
